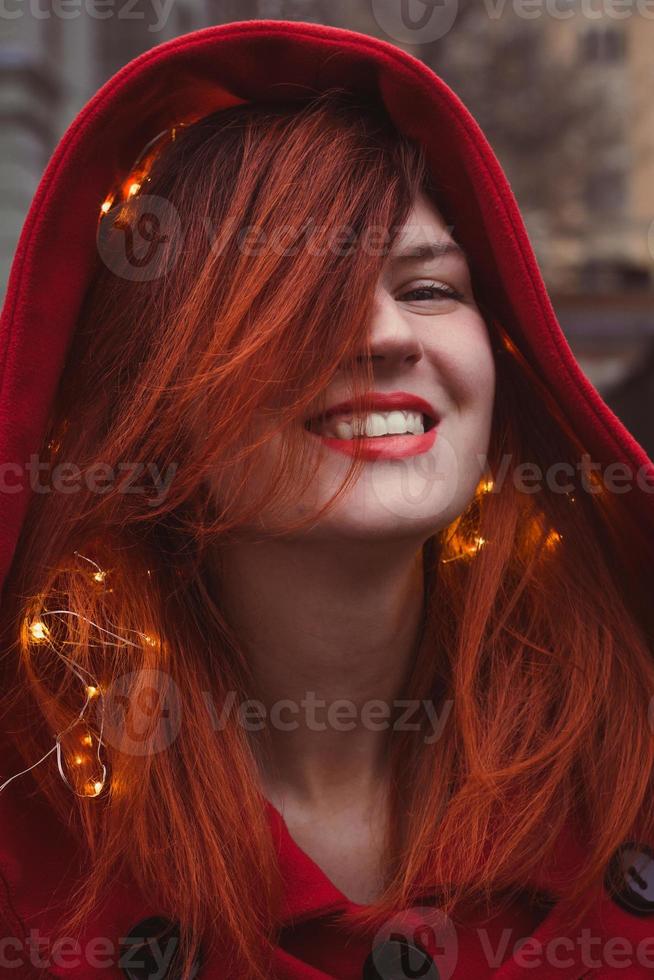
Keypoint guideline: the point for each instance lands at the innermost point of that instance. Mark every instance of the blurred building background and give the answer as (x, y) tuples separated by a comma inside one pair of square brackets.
[(564, 92)]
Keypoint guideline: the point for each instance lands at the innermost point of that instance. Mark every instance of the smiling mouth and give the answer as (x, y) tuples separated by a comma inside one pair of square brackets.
[(372, 425)]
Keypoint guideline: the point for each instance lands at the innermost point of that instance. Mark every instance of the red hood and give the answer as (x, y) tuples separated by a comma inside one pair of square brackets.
[(258, 60)]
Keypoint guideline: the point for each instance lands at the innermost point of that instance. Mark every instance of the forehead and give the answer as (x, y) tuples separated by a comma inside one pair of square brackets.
[(424, 213), (425, 236)]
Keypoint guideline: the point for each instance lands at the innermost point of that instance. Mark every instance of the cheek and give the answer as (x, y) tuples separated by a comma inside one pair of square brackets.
[(469, 367), (481, 376)]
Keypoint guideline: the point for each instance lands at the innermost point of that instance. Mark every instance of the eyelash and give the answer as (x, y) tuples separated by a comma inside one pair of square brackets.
[(445, 292)]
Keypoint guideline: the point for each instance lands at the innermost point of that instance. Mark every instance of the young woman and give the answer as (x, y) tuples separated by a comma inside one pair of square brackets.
[(327, 649)]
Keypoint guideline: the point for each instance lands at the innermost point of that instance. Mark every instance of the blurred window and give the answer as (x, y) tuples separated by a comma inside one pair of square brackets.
[(603, 43), (616, 275)]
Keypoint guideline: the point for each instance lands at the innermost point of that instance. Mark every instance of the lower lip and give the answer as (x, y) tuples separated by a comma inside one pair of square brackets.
[(383, 447)]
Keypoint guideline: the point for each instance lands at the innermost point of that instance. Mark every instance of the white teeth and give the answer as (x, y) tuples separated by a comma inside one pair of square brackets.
[(396, 422), (343, 430), (371, 425)]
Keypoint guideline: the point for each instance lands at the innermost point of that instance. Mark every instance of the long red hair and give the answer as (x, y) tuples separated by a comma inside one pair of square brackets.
[(538, 635)]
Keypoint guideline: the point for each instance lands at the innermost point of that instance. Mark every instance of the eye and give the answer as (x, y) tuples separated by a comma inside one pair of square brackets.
[(431, 292)]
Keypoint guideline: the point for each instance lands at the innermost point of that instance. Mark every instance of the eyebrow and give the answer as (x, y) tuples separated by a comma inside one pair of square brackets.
[(428, 250)]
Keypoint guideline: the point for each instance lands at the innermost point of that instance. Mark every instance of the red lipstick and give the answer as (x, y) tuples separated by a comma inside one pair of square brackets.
[(384, 402), (383, 447)]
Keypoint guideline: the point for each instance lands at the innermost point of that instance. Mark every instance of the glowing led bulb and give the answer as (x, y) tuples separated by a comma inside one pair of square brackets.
[(477, 543), (92, 691), (99, 576), (105, 206), (133, 189), (553, 539), (39, 631)]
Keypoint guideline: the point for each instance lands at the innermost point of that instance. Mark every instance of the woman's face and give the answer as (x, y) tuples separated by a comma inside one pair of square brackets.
[(428, 343)]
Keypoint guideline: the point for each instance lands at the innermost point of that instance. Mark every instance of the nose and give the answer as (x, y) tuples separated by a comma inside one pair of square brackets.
[(393, 340)]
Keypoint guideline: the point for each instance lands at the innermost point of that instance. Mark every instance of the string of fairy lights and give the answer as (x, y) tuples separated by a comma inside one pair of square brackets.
[(35, 630), (139, 171)]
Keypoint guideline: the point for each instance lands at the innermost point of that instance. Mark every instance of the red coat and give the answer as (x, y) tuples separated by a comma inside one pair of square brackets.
[(197, 74), (38, 865)]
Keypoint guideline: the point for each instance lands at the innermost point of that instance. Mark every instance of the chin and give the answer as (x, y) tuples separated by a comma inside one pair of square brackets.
[(375, 521)]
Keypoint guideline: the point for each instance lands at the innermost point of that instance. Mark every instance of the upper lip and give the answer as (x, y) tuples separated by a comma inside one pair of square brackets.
[(382, 402)]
